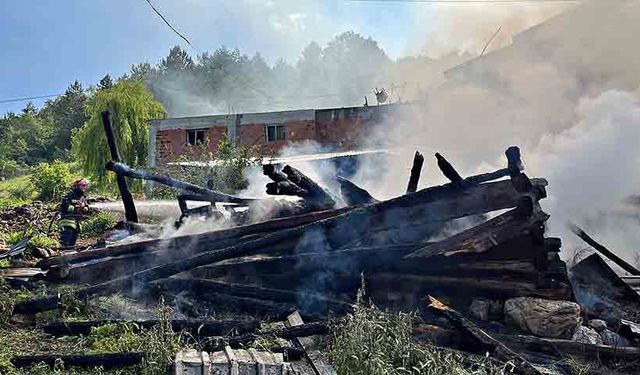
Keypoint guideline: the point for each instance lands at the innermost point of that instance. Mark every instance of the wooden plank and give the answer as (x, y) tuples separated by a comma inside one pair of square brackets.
[(107, 361), (482, 237), (318, 363), (195, 327)]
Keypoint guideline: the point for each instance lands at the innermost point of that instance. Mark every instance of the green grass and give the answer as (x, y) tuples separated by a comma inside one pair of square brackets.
[(370, 341)]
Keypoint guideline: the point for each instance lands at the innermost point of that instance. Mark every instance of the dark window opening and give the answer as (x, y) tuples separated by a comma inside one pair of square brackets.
[(275, 133), (196, 137)]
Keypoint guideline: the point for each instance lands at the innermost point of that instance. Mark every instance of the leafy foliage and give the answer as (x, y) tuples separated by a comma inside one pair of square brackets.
[(223, 173), (51, 180), (98, 224), (131, 107)]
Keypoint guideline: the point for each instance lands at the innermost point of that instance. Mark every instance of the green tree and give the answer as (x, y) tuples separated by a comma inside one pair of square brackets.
[(66, 112), (131, 106)]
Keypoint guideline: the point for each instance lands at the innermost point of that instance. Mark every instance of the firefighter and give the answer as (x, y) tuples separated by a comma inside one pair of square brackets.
[(72, 207)]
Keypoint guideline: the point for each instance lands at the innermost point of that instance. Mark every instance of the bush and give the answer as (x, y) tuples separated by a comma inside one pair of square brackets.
[(9, 168), (98, 224), (50, 180), (223, 172)]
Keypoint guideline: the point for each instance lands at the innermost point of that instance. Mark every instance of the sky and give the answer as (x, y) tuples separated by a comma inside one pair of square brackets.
[(47, 44)]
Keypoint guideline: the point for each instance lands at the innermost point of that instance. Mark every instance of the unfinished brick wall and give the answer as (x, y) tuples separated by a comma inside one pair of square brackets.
[(173, 142)]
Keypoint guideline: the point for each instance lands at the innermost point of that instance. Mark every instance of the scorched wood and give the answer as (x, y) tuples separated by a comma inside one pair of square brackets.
[(195, 327), (416, 169), (111, 360), (353, 194)]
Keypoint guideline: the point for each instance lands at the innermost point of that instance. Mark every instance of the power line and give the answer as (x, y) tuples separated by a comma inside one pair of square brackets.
[(168, 24), (14, 100)]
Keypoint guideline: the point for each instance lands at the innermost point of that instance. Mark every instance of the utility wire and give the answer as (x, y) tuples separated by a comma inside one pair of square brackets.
[(168, 24), (14, 100)]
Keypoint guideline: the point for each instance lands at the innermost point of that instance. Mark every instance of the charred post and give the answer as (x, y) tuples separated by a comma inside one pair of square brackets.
[(127, 199), (416, 169)]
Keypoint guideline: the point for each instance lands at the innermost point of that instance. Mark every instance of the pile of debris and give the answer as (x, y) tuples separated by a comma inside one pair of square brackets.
[(498, 282)]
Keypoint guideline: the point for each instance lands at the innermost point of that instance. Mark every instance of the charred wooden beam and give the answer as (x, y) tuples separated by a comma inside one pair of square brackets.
[(556, 348), (204, 240), (127, 199), (313, 303), (106, 361), (465, 286), (486, 177), (317, 361), (436, 204), (497, 348), (315, 192), (416, 169), (563, 348), (195, 327), (271, 171), (486, 235), (214, 196), (604, 251), (448, 170), (353, 194)]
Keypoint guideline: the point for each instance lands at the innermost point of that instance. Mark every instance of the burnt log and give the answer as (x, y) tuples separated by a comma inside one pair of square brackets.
[(495, 347), (106, 361), (201, 241), (213, 196), (448, 170), (604, 251), (528, 345), (416, 169), (313, 303), (353, 194), (315, 193), (127, 199), (195, 327)]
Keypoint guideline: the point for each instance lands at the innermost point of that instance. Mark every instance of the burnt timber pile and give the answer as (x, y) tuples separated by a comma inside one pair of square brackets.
[(313, 258)]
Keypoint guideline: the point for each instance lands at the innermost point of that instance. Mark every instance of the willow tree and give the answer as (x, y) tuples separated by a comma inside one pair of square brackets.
[(131, 106)]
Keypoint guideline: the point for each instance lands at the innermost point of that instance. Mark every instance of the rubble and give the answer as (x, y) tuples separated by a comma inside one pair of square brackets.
[(306, 263), (587, 335)]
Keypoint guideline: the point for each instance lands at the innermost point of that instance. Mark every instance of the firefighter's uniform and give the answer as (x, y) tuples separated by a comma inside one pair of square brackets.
[(72, 206)]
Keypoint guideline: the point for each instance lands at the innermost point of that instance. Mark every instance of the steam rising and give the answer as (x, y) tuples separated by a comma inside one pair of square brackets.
[(564, 91)]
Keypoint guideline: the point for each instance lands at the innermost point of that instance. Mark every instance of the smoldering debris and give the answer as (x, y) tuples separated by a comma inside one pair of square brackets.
[(476, 245)]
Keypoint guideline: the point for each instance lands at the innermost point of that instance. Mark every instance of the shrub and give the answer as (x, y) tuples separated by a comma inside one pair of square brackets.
[(9, 168), (98, 224), (223, 172), (43, 242), (50, 179)]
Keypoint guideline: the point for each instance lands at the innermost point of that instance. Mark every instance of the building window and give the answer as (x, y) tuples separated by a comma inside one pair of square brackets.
[(275, 133), (196, 137)]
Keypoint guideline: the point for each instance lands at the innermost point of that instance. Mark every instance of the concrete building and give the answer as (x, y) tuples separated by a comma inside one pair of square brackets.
[(338, 129)]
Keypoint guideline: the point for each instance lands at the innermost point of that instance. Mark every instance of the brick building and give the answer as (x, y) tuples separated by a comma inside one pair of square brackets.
[(337, 128)]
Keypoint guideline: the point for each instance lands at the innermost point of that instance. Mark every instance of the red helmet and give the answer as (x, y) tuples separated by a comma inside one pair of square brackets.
[(81, 182)]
